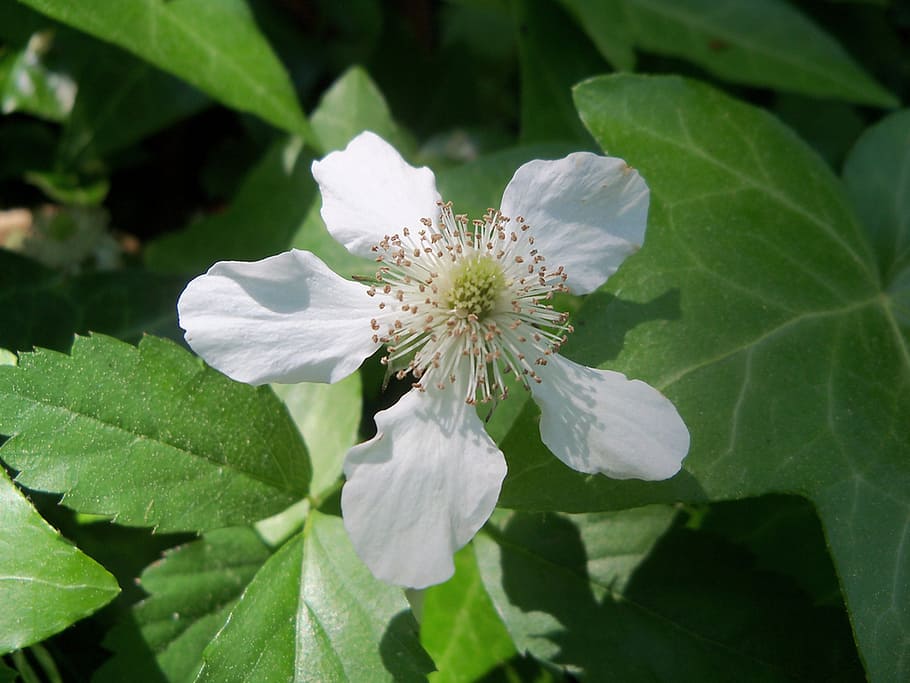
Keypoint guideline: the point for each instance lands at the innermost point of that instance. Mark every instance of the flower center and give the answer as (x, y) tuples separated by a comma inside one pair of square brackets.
[(467, 302), (477, 283)]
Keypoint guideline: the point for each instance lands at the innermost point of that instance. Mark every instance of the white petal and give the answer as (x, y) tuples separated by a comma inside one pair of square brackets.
[(421, 488), (587, 213), (598, 421), (369, 191), (287, 318)]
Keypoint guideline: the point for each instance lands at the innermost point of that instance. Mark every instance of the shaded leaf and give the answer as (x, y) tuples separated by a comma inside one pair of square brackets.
[(266, 212), (44, 308), (149, 436), (756, 42), (877, 175), (192, 590), (620, 596)]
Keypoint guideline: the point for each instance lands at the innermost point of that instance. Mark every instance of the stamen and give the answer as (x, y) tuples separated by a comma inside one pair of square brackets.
[(485, 286)]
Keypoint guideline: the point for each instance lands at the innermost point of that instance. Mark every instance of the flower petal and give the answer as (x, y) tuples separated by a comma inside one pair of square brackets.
[(598, 421), (369, 191), (587, 213), (421, 488), (286, 318)]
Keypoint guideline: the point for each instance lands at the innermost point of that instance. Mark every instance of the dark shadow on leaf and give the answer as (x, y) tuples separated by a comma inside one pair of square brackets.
[(604, 321), (400, 649), (695, 608)]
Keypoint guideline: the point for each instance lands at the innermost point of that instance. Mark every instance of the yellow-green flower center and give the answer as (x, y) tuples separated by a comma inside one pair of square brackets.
[(477, 283)]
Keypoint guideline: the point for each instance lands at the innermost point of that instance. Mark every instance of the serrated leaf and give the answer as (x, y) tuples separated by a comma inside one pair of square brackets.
[(192, 589), (266, 212), (149, 436), (620, 596), (877, 176), (314, 613), (42, 307), (756, 306), (764, 43), (215, 46), (460, 628), (46, 583)]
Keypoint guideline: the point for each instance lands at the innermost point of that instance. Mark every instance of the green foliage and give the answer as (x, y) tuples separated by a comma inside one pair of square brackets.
[(192, 591), (214, 46), (46, 584), (313, 613), (140, 434), (756, 42), (770, 302), (630, 598)]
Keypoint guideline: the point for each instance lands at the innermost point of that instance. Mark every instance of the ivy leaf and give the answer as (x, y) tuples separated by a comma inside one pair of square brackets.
[(756, 305), (625, 596), (192, 590), (149, 436), (315, 613), (877, 175), (763, 43), (215, 46), (46, 583)]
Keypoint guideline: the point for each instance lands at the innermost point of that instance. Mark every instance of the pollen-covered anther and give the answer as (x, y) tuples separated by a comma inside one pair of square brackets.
[(487, 315)]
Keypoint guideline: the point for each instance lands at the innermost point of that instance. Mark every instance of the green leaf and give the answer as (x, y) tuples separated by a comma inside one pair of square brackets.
[(149, 436), (877, 175), (192, 591), (28, 85), (7, 675), (314, 613), (554, 55), (216, 46), (460, 627), (376, 641), (352, 105), (756, 306), (257, 643), (328, 417), (121, 100), (764, 43), (44, 308), (621, 596), (268, 209), (784, 534), (46, 584)]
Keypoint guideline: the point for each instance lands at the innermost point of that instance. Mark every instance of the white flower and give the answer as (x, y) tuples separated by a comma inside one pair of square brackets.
[(457, 304)]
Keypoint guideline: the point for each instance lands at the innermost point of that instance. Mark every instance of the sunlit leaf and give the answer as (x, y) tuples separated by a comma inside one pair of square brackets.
[(46, 584), (215, 46), (149, 436)]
